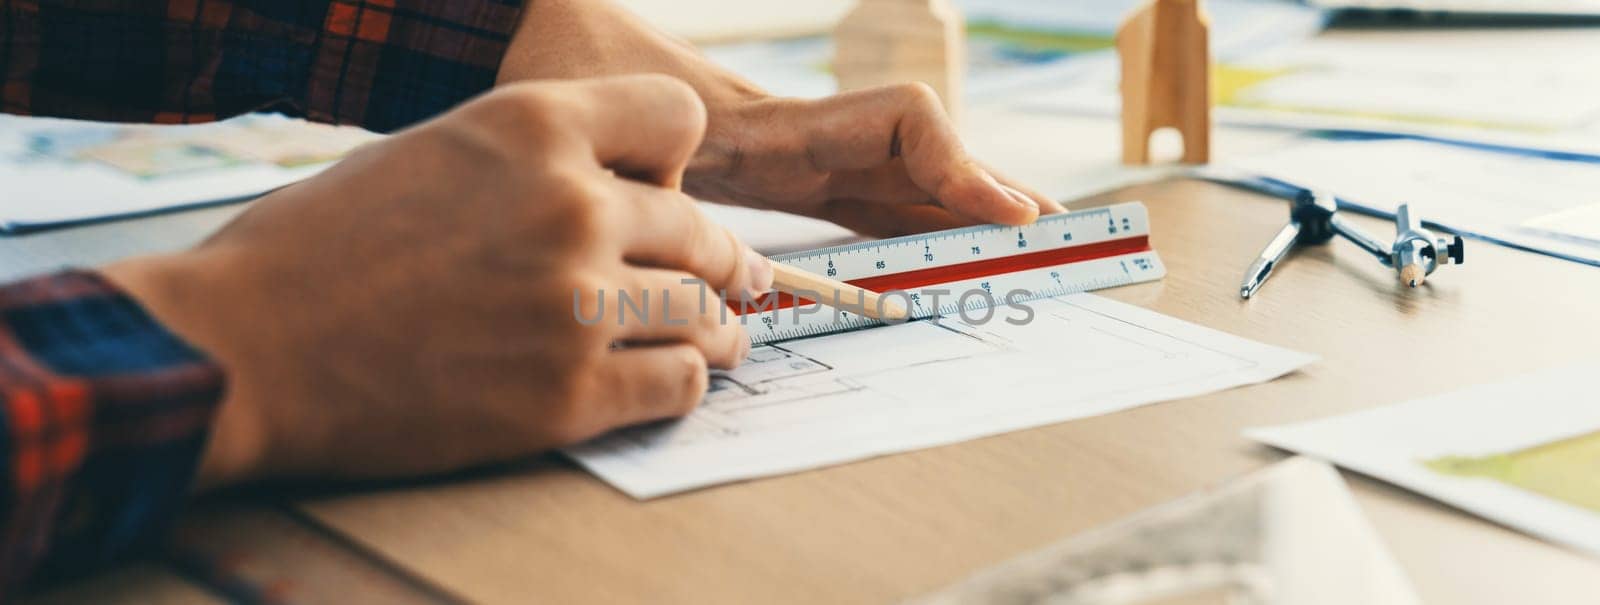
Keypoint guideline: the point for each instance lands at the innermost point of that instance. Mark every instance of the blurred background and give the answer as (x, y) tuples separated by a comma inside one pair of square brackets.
[(1472, 68), (1409, 87)]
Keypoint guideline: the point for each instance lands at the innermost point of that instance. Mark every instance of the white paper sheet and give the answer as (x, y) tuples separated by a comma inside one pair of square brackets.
[(1288, 534), (1490, 194), (832, 399), (1539, 428), (1581, 223)]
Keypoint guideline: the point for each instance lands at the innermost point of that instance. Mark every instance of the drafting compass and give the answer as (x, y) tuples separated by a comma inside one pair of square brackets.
[(1314, 219)]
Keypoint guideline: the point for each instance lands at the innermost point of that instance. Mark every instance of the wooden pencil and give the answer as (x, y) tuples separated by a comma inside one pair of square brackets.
[(835, 293)]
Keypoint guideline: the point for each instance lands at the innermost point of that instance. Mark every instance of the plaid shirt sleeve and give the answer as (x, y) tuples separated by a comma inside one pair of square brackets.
[(381, 64), (103, 414)]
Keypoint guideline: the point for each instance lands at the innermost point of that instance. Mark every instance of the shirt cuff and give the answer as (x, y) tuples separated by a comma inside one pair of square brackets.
[(105, 414), (385, 64)]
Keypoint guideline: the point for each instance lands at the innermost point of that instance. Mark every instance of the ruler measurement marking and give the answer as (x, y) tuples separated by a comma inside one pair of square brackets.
[(1059, 254), (853, 323), (929, 276)]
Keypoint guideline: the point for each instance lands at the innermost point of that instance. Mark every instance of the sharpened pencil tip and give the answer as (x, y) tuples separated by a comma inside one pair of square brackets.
[(1412, 275), (893, 312)]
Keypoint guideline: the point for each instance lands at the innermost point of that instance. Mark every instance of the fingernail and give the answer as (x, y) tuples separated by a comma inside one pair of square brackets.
[(1019, 197), (744, 348), (1015, 196), (760, 271)]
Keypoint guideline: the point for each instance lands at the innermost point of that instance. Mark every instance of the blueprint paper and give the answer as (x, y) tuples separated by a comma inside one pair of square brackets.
[(1523, 452), (814, 402)]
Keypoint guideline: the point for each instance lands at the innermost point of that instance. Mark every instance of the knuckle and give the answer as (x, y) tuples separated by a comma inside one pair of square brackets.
[(687, 109), (585, 281), (502, 129), (693, 379), (676, 103), (708, 246), (725, 346), (528, 111), (698, 245), (918, 94), (679, 95), (575, 205), (710, 320)]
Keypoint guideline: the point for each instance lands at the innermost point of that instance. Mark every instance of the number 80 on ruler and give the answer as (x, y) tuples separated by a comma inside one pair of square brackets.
[(969, 269)]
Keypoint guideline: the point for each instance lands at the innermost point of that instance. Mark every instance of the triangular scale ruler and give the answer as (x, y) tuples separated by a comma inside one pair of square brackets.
[(976, 271)]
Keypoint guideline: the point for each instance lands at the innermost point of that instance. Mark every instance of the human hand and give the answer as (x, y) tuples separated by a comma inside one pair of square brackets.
[(426, 321), (885, 161)]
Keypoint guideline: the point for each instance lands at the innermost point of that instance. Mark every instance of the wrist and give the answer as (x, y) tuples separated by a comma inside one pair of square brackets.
[(173, 289)]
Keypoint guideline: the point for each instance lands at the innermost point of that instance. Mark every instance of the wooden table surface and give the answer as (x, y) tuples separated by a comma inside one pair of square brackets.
[(901, 525)]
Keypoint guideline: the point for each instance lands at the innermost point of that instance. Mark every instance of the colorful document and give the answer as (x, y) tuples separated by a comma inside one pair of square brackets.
[(1018, 45), (1524, 452), (1518, 92), (62, 172)]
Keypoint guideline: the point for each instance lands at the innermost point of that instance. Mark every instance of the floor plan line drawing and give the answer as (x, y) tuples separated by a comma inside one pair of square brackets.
[(809, 402)]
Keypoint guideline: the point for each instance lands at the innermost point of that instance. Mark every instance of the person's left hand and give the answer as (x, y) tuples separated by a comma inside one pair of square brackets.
[(884, 161)]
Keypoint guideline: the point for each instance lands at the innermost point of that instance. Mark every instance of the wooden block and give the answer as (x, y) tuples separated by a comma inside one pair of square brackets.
[(897, 41), (1166, 78)]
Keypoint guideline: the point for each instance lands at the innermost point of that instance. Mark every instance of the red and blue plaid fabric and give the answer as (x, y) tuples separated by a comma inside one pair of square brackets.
[(103, 414), (382, 64)]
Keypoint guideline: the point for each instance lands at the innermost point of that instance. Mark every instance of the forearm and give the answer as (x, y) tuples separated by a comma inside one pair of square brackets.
[(378, 65)]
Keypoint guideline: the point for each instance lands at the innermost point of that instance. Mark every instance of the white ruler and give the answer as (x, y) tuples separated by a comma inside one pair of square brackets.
[(975, 271)]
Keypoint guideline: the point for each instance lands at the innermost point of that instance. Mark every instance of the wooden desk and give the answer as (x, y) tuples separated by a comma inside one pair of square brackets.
[(901, 525)]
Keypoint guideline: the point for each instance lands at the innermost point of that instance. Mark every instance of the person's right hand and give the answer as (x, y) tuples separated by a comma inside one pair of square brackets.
[(411, 310)]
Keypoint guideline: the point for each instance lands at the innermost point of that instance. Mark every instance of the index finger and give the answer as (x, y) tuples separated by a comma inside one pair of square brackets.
[(864, 129), (666, 230)]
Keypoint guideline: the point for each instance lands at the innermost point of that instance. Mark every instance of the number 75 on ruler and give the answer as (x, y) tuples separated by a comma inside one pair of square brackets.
[(970, 268)]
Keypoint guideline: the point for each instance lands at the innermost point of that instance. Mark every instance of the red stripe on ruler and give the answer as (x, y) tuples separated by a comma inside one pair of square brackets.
[(979, 268)]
